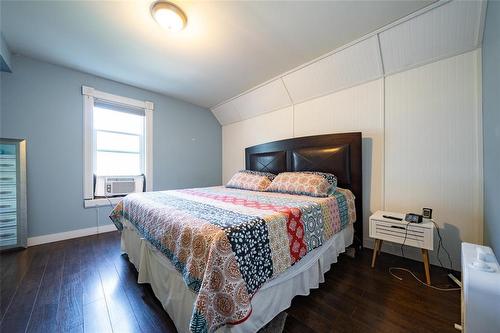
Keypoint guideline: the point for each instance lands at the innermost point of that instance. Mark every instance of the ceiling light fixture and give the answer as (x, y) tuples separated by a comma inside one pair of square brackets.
[(168, 15)]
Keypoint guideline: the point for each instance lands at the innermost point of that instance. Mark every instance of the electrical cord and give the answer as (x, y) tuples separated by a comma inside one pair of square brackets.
[(109, 200), (416, 278), (404, 240), (440, 245), (97, 209)]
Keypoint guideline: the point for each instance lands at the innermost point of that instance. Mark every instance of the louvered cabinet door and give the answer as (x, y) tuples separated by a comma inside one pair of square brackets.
[(13, 214)]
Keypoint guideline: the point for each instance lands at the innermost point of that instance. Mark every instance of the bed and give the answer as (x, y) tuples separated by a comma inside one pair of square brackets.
[(229, 260)]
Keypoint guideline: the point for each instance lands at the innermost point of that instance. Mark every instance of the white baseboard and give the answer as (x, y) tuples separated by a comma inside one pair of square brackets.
[(32, 241)]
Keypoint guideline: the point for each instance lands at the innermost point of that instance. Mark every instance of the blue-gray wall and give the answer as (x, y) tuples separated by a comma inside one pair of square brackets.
[(43, 103), (491, 126)]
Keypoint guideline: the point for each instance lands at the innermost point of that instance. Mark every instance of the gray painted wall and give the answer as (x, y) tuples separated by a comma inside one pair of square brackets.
[(43, 103), (491, 126)]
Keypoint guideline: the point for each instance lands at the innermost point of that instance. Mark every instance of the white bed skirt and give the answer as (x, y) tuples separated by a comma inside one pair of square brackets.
[(274, 296)]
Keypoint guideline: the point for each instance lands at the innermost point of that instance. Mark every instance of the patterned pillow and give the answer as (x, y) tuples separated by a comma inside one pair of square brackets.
[(315, 184), (251, 180)]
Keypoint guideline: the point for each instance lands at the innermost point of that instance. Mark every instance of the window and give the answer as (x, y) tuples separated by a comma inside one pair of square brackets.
[(118, 139), (119, 142)]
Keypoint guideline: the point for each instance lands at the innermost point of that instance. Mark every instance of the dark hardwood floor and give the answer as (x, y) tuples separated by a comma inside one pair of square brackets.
[(85, 285)]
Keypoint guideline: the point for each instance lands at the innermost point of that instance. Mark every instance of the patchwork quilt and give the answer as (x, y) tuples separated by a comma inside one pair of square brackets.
[(227, 243)]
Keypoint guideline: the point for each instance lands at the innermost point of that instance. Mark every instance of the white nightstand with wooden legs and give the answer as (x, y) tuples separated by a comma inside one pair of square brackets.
[(420, 235)]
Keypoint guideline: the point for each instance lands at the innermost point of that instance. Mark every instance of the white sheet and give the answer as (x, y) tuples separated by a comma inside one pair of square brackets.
[(274, 296)]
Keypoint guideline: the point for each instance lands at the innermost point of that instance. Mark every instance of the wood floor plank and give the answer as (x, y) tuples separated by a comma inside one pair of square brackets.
[(96, 317), (99, 293), (19, 311), (13, 266), (148, 310), (44, 315), (70, 309), (95, 308), (91, 281), (120, 311), (294, 325)]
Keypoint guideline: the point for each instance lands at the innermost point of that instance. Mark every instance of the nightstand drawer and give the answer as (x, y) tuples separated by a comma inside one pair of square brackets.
[(400, 232)]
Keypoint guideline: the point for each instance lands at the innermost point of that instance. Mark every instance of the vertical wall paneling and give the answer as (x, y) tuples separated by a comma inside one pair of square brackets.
[(268, 98), (346, 68), (432, 147), (479, 204), (442, 32), (421, 142), (413, 89), (236, 137), (291, 103), (226, 113), (355, 109), (382, 105)]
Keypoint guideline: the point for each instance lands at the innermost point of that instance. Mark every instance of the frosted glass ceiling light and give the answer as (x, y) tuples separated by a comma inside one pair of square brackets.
[(169, 16)]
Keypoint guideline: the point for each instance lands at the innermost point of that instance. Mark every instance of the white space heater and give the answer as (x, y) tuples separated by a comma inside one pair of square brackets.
[(480, 290)]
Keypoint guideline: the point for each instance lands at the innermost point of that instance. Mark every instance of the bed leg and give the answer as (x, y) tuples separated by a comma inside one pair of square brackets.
[(351, 252)]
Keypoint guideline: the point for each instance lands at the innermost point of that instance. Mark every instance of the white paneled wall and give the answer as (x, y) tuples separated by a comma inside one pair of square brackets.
[(433, 146), (421, 142), (346, 68), (351, 110), (227, 113), (358, 108), (421, 130), (268, 98), (437, 32), (445, 31), (236, 137)]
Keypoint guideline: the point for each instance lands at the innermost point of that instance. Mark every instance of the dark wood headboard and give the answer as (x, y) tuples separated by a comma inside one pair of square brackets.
[(339, 154)]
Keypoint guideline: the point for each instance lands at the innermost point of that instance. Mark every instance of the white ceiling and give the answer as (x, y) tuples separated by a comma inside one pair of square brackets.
[(227, 47)]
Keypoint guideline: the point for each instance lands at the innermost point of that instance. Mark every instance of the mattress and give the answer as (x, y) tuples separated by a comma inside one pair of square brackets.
[(227, 243)]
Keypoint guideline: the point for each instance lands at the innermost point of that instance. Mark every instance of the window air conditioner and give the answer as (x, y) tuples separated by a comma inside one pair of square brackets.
[(109, 186)]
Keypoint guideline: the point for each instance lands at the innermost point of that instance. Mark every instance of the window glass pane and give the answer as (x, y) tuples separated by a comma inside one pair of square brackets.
[(118, 164), (118, 142), (111, 120)]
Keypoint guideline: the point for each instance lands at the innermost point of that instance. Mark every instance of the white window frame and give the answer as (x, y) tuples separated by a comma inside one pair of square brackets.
[(90, 95)]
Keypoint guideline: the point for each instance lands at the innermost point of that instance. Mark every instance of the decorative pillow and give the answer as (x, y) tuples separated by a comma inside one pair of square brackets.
[(251, 180), (316, 184)]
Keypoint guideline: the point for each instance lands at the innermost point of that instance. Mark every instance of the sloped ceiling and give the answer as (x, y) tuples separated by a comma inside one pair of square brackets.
[(227, 48), (445, 30)]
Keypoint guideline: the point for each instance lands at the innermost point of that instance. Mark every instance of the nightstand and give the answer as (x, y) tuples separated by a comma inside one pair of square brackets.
[(420, 235)]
